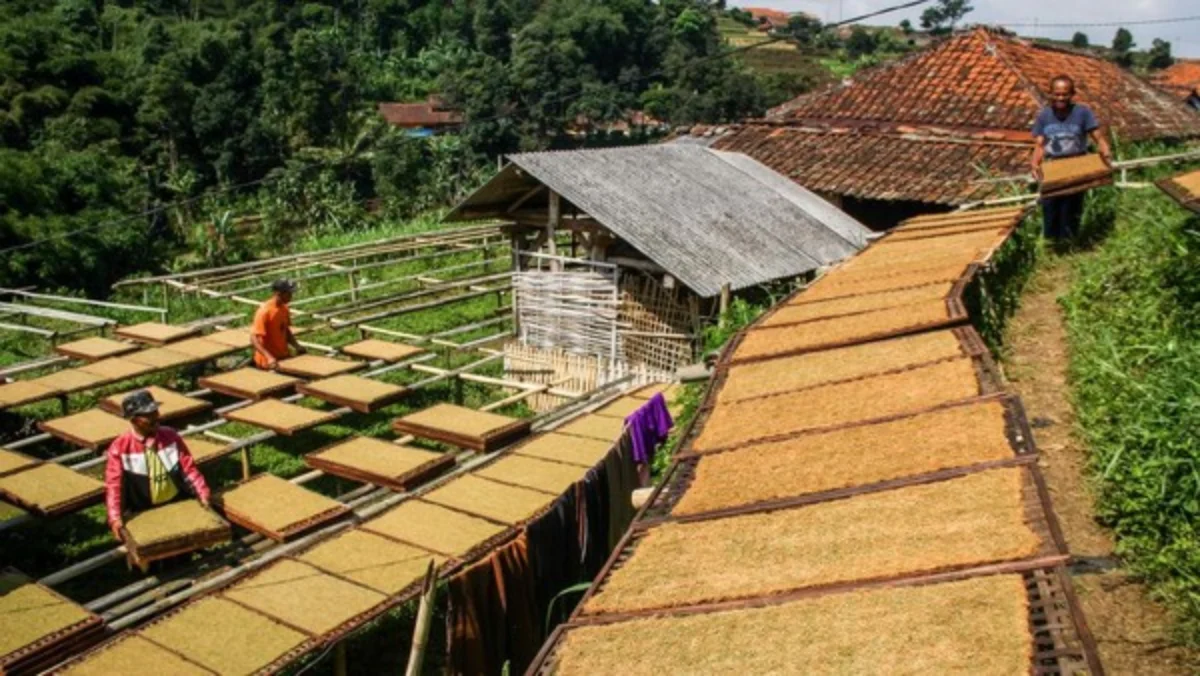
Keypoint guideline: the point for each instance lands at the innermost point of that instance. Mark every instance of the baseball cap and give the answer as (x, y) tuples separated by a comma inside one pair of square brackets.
[(283, 286), (138, 403)]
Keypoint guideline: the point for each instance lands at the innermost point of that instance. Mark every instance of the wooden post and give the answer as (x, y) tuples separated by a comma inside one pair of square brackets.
[(515, 243), (724, 305), (353, 286), (552, 222), (245, 463), (339, 659), (166, 299), (416, 655)]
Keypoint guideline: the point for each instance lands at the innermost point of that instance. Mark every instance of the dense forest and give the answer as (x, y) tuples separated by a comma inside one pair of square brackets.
[(110, 110)]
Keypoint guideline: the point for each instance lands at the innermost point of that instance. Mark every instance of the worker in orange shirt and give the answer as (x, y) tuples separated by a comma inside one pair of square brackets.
[(272, 331)]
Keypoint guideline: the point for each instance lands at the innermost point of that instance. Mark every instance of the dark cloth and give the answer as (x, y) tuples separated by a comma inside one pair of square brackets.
[(594, 528), (1193, 100), (474, 616), (1061, 216), (492, 619), (554, 553), (622, 480), (1066, 136), (648, 427)]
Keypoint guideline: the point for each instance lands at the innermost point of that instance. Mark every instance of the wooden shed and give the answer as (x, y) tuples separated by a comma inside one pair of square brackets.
[(621, 255)]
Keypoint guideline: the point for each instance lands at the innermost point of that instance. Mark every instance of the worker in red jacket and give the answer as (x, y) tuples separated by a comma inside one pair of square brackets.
[(149, 465)]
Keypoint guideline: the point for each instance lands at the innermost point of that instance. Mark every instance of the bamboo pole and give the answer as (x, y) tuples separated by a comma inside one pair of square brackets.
[(416, 656)]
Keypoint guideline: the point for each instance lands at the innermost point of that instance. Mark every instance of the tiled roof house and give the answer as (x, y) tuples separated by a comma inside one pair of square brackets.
[(944, 126), (430, 114), (1180, 78)]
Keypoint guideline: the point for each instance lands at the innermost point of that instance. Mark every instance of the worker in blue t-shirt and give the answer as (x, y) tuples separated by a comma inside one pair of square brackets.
[(1062, 130)]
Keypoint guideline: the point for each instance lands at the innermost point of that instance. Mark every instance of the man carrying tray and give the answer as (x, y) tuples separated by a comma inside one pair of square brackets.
[(1062, 130), (149, 465)]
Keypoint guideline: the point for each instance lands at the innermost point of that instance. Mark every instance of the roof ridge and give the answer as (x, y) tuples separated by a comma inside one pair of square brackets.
[(993, 47), (846, 82)]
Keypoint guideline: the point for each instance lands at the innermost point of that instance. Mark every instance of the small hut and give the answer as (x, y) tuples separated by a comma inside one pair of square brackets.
[(621, 256)]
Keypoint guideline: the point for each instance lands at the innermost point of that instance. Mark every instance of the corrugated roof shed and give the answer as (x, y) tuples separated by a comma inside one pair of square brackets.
[(707, 217)]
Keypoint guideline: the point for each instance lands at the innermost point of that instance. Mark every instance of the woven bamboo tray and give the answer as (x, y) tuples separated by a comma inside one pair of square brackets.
[(313, 366), (91, 349), (277, 508), (115, 369), (437, 529), (1184, 188), (69, 381), (238, 338), (49, 489), (768, 343), (501, 503), (579, 451), (379, 462), (249, 383), (203, 348), (1074, 174), (381, 350), (700, 588), (129, 653), (1061, 643), (955, 218), (810, 468), (997, 227), (301, 596), (12, 462), (799, 312), (154, 333), (593, 426), (173, 529), (552, 478), (872, 398), (212, 631), (372, 560), (280, 417), (22, 392), (621, 408), (740, 381), (162, 358), (462, 427), (90, 429), (204, 451), (354, 392), (38, 626), (171, 404)]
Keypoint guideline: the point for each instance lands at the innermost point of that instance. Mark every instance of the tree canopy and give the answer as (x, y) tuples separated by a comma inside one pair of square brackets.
[(109, 110)]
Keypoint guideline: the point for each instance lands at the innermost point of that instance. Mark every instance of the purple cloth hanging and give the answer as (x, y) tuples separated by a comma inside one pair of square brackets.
[(648, 427)]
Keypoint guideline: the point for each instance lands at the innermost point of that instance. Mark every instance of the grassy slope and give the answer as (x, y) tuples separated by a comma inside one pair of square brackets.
[(1135, 353)]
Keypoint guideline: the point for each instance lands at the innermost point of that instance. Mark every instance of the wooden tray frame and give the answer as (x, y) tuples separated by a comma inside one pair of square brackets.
[(222, 388), (54, 647), (497, 438), (325, 418), (1186, 199), (142, 557), (405, 482), (72, 505), (1039, 515), (309, 389), (1062, 641), (281, 535)]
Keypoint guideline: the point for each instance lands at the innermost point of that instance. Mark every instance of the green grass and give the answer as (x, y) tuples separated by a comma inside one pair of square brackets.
[(1135, 352)]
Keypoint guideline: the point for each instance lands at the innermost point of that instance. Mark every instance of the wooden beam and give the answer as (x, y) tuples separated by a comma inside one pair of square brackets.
[(553, 221), (525, 198)]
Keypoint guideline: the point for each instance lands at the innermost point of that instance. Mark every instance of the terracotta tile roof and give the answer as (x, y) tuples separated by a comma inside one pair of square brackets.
[(1180, 78), (916, 165), (984, 80), (414, 115), (775, 17)]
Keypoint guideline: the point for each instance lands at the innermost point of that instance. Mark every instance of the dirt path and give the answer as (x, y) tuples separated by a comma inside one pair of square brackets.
[(1131, 630)]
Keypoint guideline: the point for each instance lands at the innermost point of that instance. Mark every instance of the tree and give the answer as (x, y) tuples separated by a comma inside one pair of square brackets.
[(1122, 46), (941, 18), (1160, 55), (803, 28), (1079, 40), (907, 27), (861, 43)]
